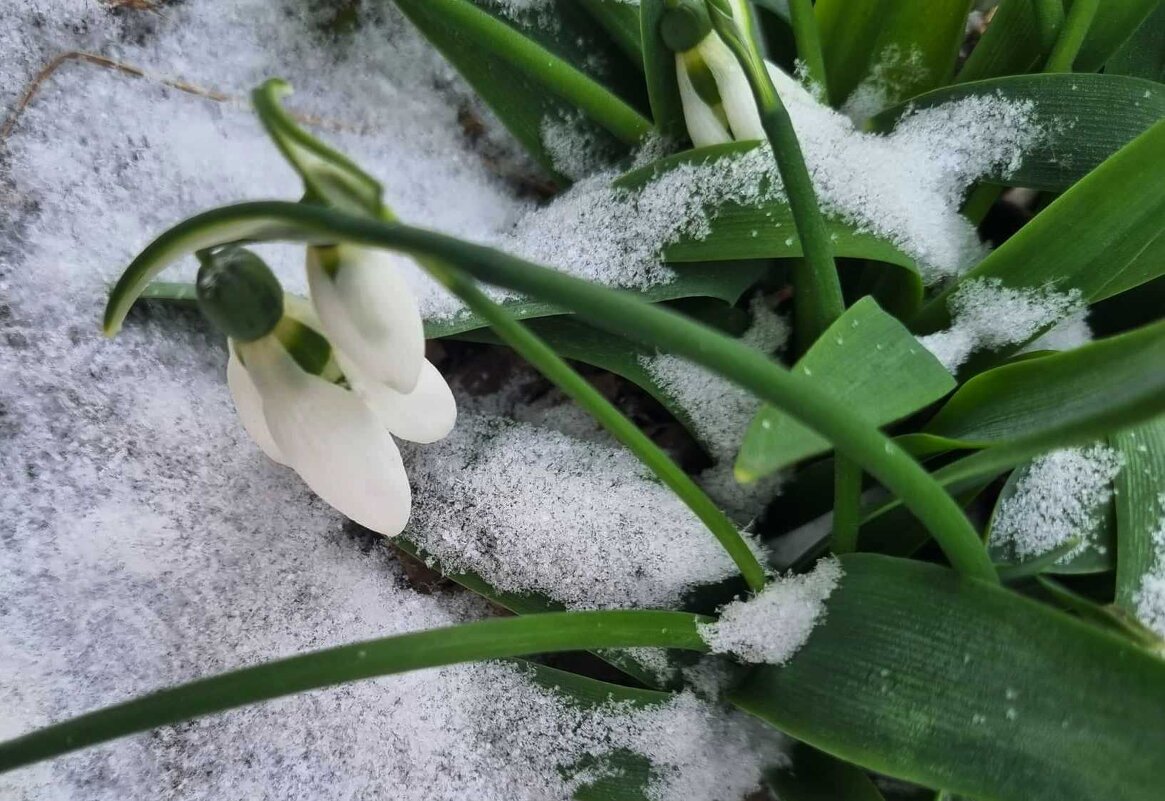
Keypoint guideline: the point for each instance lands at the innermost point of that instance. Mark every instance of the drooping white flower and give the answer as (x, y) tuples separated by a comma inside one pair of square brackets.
[(313, 406)]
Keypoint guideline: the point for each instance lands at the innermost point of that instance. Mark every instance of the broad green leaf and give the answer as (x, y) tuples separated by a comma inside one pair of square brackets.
[(527, 85), (901, 48), (1099, 238), (814, 776), (621, 21), (1143, 55), (493, 638), (1086, 118), (866, 359), (659, 70), (1097, 556), (1115, 22), (1061, 399), (1140, 506), (952, 683)]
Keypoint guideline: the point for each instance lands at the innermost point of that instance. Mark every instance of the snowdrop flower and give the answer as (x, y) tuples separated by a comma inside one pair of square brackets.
[(324, 388), (717, 100)]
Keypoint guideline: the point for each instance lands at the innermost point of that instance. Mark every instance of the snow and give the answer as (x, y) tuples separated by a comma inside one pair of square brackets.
[(774, 625), (720, 412), (1150, 597), (988, 315), (1058, 497), (146, 540), (531, 509)]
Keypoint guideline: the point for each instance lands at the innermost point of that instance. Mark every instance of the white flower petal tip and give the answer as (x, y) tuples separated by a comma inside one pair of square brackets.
[(425, 415), (249, 406), (703, 124), (332, 439), (368, 312)]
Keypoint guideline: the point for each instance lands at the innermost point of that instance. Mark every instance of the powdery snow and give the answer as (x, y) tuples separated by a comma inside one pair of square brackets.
[(1059, 496), (772, 626), (986, 315), (531, 509), (146, 540)]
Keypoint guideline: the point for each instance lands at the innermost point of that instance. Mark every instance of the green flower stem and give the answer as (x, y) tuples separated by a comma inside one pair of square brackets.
[(495, 638), (551, 365), (808, 40), (1072, 34), (847, 504), (818, 299)]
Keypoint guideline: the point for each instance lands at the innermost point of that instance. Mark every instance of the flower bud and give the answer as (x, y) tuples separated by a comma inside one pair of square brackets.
[(238, 293)]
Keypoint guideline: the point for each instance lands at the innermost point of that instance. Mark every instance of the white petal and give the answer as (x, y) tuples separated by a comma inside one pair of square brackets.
[(249, 406), (332, 439), (424, 415), (704, 126), (369, 312), (735, 93)]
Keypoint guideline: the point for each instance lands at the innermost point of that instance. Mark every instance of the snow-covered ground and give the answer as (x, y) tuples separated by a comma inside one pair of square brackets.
[(144, 540)]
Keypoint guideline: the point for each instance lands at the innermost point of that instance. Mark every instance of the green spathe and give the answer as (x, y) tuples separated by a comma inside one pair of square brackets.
[(238, 293)]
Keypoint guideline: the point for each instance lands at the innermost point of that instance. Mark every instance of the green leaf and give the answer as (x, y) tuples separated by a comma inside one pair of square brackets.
[(905, 47), (1139, 506), (1115, 22), (621, 21), (1086, 118), (524, 83), (494, 638), (763, 230), (1099, 538), (867, 360), (1062, 399), (1143, 55), (1099, 238), (951, 683), (659, 69), (814, 776), (1012, 43)]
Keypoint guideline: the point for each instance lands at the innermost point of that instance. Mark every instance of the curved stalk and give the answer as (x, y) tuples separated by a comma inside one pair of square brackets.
[(551, 365), (496, 638), (622, 313)]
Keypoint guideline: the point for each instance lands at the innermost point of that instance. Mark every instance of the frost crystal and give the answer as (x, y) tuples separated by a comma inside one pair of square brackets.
[(773, 626), (1150, 597), (987, 315), (1058, 497)]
